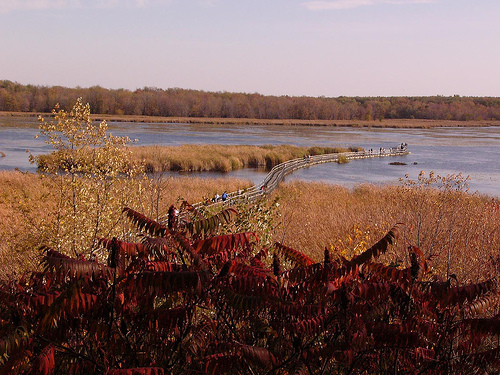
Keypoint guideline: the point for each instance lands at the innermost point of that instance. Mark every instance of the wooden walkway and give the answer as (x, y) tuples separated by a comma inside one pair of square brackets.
[(278, 173)]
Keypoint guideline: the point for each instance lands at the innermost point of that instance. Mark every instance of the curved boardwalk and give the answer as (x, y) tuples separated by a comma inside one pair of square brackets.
[(278, 173)]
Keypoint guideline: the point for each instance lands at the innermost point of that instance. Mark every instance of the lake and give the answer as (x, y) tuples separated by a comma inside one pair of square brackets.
[(473, 152)]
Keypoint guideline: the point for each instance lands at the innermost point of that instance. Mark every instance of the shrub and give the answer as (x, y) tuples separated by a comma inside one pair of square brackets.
[(188, 298), (91, 163), (342, 159)]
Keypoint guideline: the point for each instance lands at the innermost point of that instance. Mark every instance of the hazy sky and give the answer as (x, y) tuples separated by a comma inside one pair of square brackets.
[(278, 47)]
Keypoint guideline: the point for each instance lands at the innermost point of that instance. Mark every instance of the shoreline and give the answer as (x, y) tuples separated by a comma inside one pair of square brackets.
[(388, 123)]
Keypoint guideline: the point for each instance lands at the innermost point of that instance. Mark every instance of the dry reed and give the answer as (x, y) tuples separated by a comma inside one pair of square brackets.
[(384, 123), (30, 206), (457, 230), (202, 158)]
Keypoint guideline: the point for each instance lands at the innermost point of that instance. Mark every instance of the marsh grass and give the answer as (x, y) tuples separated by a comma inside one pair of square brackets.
[(384, 123), (342, 159), (31, 208), (457, 231), (202, 158)]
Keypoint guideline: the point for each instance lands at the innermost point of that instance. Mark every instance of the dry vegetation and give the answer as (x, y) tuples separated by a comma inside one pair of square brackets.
[(459, 231), (383, 123), (202, 158), (30, 207), (213, 157)]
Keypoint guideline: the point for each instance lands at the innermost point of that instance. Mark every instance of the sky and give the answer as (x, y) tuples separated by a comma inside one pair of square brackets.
[(273, 47)]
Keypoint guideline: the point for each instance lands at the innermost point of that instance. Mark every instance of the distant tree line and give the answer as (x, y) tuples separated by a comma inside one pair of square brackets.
[(176, 102)]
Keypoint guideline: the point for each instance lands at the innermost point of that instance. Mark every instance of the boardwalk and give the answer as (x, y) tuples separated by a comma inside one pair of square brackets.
[(278, 173)]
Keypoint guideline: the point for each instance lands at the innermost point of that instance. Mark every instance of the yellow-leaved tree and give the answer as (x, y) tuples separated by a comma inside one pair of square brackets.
[(94, 178)]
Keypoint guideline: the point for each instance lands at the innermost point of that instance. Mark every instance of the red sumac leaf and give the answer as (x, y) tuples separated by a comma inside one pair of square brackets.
[(300, 259), (44, 363)]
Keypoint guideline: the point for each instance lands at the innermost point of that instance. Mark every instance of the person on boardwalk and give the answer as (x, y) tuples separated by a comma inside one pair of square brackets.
[(224, 196)]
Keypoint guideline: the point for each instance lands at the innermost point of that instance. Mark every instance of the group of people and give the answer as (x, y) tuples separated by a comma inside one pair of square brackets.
[(218, 197), (382, 150)]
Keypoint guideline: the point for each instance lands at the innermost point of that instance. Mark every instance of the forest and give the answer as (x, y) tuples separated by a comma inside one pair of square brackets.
[(178, 102)]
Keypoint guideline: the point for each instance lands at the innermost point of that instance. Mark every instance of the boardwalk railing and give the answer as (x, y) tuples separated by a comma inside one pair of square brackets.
[(278, 173)]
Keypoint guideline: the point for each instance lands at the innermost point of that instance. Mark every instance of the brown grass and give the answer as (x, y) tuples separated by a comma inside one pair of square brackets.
[(386, 123), (389, 123), (29, 209), (457, 230), (441, 222), (201, 158), (213, 157)]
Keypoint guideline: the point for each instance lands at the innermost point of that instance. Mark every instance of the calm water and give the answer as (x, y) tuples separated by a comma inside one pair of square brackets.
[(473, 152)]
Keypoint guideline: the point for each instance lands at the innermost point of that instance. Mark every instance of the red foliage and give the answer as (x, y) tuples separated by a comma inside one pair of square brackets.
[(190, 301)]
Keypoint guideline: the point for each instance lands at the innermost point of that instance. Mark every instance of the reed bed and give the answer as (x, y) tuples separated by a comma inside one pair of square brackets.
[(384, 123), (32, 204), (203, 158), (457, 231)]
